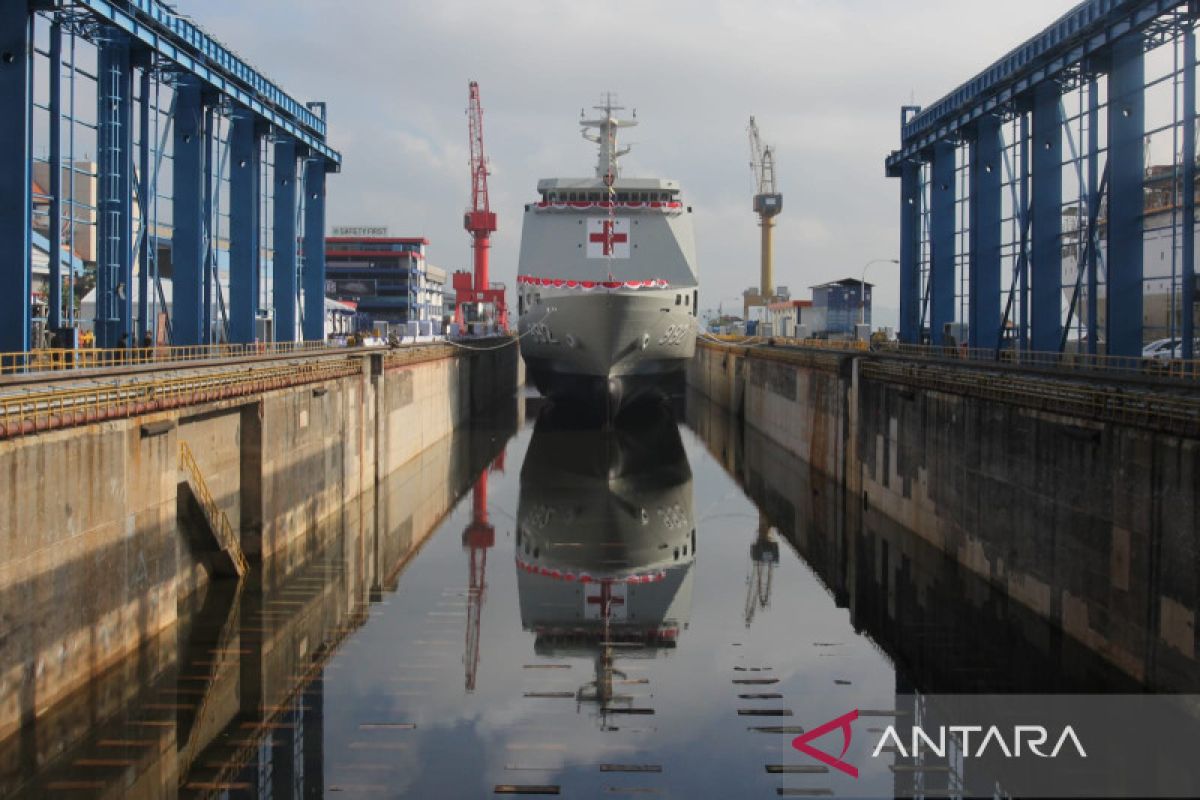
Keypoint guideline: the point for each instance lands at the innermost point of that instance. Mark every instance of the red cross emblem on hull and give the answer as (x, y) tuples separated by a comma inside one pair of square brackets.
[(608, 238)]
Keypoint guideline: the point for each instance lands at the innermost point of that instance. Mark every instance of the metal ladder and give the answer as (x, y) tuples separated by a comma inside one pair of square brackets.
[(218, 521)]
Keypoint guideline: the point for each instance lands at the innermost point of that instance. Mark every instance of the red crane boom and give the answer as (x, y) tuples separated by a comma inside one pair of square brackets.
[(479, 221)]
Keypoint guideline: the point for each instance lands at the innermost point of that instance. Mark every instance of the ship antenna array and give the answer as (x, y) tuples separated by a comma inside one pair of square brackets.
[(606, 127)]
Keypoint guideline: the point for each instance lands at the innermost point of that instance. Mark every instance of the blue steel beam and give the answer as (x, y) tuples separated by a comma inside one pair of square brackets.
[(910, 254), (196, 53), (314, 249), (1023, 253), (54, 167), (941, 240), (245, 173), (1188, 285), (114, 191), (16, 148), (1086, 30), (1126, 127), (1094, 194), (1045, 299), (187, 236), (985, 233), (208, 231), (144, 200), (284, 259)]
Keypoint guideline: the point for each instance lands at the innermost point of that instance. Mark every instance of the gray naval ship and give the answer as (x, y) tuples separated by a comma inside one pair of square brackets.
[(607, 286)]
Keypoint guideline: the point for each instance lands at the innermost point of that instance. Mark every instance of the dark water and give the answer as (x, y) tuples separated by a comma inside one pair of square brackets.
[(647, 611)]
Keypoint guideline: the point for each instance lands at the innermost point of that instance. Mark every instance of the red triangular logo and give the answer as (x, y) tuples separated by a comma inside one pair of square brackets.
[(801, 743)]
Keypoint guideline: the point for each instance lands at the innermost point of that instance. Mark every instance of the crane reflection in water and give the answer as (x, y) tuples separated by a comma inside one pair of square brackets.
[(606, 541)]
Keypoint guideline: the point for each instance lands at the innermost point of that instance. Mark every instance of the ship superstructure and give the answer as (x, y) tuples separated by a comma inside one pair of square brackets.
[(607, 285)]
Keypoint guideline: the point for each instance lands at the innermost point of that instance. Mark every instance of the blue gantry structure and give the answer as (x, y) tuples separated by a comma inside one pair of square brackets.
[(164, 150), (1048, 204)]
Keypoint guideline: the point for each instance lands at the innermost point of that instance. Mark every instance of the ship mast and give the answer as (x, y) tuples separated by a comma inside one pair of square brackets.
[(606, 136)]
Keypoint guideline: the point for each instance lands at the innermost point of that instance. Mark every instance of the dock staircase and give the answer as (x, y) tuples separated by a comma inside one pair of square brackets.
[(218, 520)]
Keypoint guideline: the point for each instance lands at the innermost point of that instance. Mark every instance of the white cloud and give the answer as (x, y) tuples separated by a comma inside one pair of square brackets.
[(826, 81)]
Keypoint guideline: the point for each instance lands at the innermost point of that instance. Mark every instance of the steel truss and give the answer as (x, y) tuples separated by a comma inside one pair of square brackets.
[(1028, 193), (201, 165)]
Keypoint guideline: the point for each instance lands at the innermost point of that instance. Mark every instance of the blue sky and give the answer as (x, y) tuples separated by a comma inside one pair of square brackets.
[(825, 80)]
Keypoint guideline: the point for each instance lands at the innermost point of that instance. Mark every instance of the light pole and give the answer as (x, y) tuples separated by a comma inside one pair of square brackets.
[(862, 297)]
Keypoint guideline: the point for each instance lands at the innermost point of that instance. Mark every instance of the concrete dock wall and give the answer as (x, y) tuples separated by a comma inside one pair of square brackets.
[(276, 625), (1088, 522), (100, 541)]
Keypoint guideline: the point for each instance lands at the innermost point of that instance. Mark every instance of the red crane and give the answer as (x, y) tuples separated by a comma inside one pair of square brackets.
[(479, 221)]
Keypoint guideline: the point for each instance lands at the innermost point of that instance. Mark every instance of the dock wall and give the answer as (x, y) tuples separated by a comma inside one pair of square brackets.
[(100, 539), (1049, 492)]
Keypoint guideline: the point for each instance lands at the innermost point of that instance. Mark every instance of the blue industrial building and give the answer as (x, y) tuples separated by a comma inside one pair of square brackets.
[(190, 143), (839, 306), (1024, 191)]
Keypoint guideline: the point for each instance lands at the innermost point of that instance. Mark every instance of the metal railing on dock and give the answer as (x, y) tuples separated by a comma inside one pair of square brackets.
[(1067, 363), (60, 359), (218, 520), (1178, 412), (1176, 368), (49, 408)]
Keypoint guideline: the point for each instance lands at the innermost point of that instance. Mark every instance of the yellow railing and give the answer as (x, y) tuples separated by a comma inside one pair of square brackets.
[(1076, 362), (218, 520), (55, 359), (1175, 411), (48, 408), (784, 341), (1175, 368)]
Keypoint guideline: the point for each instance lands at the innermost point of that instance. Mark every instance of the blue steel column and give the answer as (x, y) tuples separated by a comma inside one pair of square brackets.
[(54, 167), (114, 165), (208, 231), (187, 237), (245, 172), (910, 275), (985, 205), (1126, 128), (284, 289), (1023, 216), (941, 244), (1093, 183), (145, 202), (314, 248), (1188, 288), (1046, 273), (16, 150)]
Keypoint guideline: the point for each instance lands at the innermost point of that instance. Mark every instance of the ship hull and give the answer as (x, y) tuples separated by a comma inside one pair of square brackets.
[(608, 349)]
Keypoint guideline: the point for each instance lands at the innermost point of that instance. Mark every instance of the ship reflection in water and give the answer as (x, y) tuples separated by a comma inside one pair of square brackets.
[(605, 544)]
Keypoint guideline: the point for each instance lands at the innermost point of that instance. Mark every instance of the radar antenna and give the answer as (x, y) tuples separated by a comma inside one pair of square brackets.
[(606, 136)]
